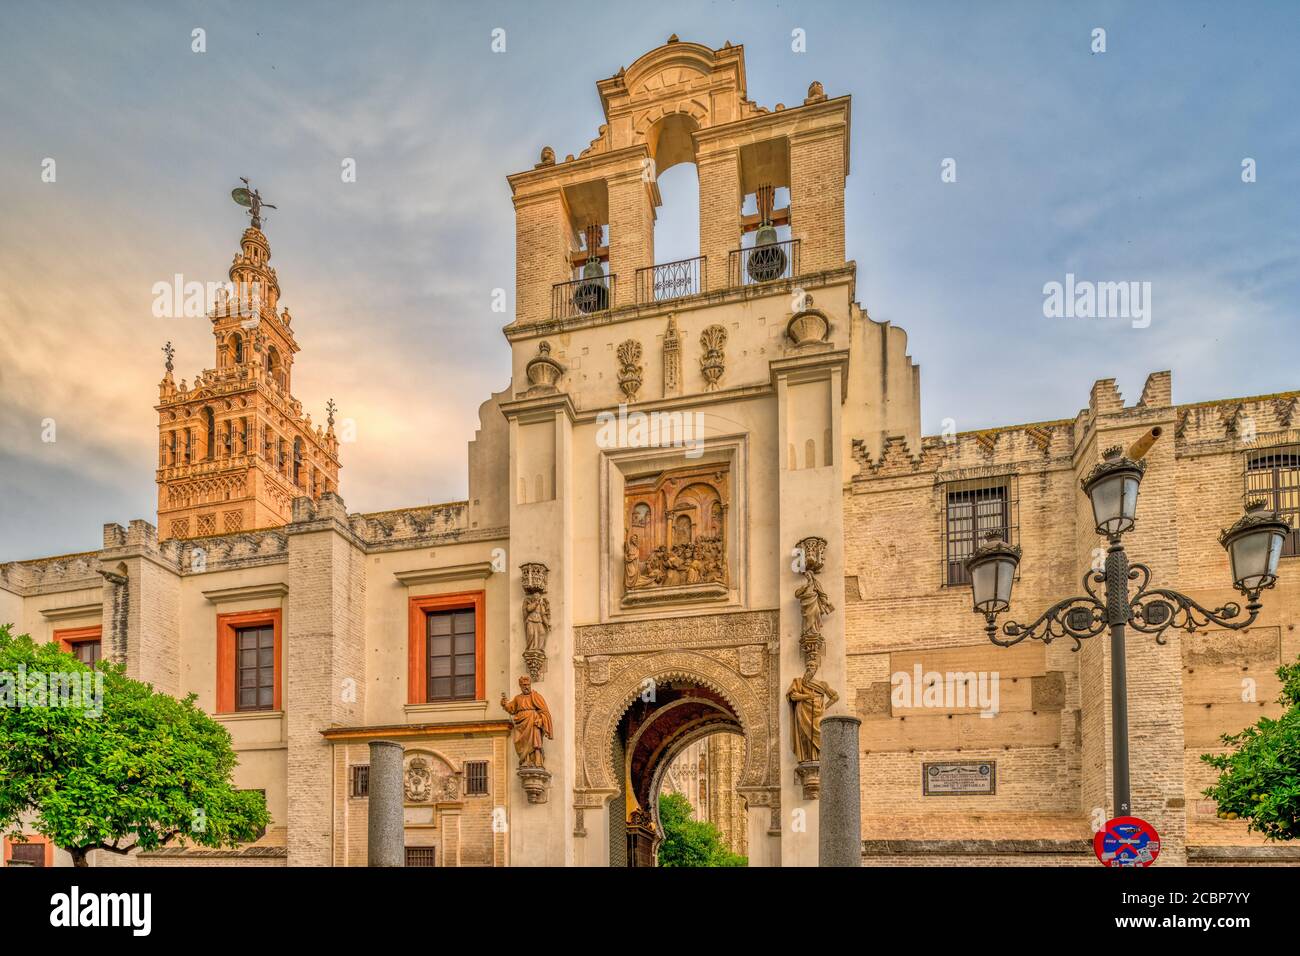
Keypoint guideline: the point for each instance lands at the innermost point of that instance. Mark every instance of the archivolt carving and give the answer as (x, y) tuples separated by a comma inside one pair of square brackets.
[(696, 109), (605, 705)]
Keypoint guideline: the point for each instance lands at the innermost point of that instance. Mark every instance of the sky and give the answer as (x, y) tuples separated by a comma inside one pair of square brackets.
[(1117, 166)]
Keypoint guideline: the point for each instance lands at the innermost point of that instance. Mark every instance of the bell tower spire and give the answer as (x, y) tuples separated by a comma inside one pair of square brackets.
[(235, 449)]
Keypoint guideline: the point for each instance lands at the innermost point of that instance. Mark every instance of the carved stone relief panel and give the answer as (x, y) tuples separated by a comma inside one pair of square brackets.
[(675, 539), (427, 778)]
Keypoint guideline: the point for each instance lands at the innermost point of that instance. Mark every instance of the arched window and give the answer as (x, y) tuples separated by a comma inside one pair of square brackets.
[(210, 431), (297, 462), (274, 367), (237, 348)]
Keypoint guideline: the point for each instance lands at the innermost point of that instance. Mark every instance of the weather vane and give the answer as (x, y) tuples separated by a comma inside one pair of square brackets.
[(252, 199), (170, 352)]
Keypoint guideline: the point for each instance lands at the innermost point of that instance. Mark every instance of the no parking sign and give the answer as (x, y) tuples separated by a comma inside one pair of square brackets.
[(1126, 841)]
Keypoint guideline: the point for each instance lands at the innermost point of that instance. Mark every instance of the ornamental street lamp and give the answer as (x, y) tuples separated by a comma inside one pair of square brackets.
[(1254, 545)]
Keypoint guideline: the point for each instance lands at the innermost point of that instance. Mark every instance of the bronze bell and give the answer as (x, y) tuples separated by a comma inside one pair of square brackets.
[(767, 260), (592, 293)]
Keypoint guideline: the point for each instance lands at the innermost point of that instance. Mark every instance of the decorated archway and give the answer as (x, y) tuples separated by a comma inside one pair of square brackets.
[(639, 705), (658, 726)]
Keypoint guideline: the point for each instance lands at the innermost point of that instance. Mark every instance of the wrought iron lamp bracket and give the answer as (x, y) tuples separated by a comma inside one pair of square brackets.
[(1150, 610)]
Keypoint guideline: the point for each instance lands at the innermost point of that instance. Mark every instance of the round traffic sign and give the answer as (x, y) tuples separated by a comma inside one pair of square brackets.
[(1126, 841)]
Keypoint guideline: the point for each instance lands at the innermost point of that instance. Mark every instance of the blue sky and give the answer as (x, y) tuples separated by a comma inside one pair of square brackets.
[(1124, 165)]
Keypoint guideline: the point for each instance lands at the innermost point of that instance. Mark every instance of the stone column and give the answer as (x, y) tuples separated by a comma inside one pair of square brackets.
[(840, 828), (385, 836)]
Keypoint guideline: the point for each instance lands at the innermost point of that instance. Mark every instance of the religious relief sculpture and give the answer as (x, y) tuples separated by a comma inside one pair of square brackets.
[(813, 601), (537, 618), (809, 699), (629, 368), (532, 720), (675, 543), (714, 361)]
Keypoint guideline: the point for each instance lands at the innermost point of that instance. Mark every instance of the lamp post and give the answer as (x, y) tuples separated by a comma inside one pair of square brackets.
[(1254, 545)]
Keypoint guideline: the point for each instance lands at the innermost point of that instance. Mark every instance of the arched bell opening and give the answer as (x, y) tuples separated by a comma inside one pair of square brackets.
[(676, 192)]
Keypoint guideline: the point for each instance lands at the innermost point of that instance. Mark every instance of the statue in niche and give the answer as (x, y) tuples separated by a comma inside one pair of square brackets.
[(537, 621), (809, 699), (532, 720), (813, 603)]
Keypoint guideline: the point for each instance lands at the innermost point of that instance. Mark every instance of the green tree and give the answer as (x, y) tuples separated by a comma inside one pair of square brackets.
[(691, 842), (1259, 780), (134, 768)]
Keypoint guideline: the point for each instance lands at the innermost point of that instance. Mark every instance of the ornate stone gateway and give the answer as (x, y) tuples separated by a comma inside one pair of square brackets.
[(646, 690)]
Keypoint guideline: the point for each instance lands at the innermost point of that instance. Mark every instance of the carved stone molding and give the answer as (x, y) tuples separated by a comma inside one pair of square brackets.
[(698, 631), (672, 359), (600, 707), (536, 781), (809, 775), (713, 361), (629, 368)]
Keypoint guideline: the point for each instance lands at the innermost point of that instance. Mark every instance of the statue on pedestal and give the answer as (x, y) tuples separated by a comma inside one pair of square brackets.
[(532, 719)]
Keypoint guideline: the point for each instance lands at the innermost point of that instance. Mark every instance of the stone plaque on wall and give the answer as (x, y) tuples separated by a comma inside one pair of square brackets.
[(964, 779)]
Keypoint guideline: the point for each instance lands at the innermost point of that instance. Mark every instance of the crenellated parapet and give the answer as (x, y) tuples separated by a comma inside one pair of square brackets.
[(60, 573), (406, 526)]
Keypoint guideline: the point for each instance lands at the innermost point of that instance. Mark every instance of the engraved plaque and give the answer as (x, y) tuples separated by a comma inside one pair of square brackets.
[(968, 778)]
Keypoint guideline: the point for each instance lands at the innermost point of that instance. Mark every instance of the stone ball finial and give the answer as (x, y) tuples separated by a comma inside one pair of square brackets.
[(816, 92), (548, 157)]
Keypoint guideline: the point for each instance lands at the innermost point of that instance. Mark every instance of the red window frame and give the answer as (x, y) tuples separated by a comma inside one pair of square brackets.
[(228, 626), (33, 839), (417, 668), (70, 637)]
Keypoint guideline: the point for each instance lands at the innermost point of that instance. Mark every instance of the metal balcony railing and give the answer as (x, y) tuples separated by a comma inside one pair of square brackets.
[(768, 263), (671, 280), (583, 296)]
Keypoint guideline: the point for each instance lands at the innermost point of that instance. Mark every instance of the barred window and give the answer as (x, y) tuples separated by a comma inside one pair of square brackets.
[(476, 778), (973, 509), (1274, 475), (361, 780), (420, 856)]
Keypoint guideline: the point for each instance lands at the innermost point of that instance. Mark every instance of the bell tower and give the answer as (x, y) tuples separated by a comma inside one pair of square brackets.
[(235, 448)]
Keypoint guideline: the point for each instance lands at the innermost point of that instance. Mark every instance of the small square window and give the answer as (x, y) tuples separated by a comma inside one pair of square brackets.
[(420, 856), (476, 778), (361, 780)]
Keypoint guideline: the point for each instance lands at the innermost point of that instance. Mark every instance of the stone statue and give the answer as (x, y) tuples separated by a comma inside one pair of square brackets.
[(813, 603), (809, 699), (532, 720), (537, 621)]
